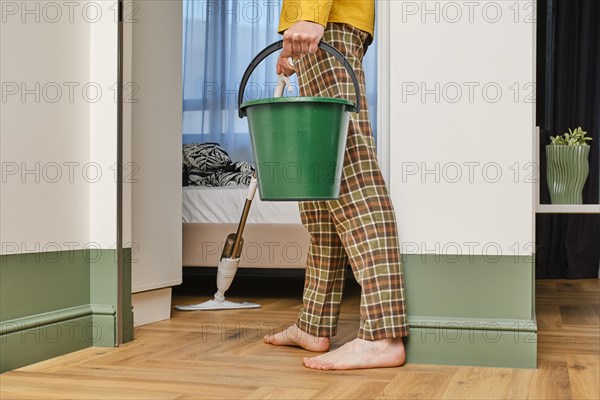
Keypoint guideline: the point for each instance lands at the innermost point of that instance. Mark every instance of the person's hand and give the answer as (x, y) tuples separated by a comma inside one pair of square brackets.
[(301, 38), (285, 66)]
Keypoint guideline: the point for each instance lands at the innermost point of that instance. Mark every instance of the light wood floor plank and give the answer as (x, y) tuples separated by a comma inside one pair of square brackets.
[(147, 378), (549, 381), (37, 385), (241, 373), (479, 383), (58, 363), (278, 393), (579, 315), (548, 316), (416, 385), (350, 389), (569, 341), (584, 373)]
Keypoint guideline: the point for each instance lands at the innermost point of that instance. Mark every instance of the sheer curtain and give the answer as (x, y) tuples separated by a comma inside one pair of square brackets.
[(220, 38)]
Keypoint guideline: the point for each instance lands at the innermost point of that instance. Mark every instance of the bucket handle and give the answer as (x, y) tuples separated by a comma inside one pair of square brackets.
[(279, 45)]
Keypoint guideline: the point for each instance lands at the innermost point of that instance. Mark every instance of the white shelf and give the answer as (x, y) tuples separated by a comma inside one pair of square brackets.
[(568, 209)]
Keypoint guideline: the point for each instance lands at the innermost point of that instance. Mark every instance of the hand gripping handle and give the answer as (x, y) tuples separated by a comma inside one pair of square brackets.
[(278, 46)]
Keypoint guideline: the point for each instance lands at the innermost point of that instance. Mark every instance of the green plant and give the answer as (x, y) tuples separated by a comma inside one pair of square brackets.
[(571, 138)]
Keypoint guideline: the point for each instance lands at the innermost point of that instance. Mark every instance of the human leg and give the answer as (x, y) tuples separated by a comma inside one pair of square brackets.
[(363, 215), (323, 283), (365, 221)]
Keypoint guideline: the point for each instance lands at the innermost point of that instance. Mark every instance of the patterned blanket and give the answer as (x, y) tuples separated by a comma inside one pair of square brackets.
[(208, 164)]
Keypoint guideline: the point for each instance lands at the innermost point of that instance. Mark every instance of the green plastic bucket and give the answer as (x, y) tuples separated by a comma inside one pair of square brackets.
[(298, 142)]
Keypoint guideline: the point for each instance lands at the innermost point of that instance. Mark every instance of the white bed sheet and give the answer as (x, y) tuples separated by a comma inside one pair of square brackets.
[(225, 205)]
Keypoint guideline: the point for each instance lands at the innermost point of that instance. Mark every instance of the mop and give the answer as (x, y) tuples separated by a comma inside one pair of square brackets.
[(230, 257), (228, 264)]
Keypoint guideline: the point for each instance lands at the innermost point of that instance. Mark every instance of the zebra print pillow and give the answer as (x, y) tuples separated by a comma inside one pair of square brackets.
[(208, 164), (205, 156)]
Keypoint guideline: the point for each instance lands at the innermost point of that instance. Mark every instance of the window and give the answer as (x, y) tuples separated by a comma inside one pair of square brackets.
[(220, 38)]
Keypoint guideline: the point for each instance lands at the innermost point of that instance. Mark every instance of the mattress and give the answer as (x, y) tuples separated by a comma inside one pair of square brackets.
[(225, 205)]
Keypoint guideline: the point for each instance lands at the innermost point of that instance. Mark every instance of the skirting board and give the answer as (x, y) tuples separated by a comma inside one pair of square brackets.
[(20, 348), (471, 310), (30, 339), (53, 303), (151, 306), (488, 343)]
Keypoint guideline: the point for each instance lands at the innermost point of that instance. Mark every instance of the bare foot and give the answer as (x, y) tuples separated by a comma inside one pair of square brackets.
[(361, 353), (294, 336)]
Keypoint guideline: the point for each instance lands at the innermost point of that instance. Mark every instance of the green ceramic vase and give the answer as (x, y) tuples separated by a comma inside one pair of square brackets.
[(567, 171)]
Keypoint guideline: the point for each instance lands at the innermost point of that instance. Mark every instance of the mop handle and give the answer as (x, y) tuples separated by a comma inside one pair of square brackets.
[(245, 212), (252, 188), (283, 80), (280, 86)]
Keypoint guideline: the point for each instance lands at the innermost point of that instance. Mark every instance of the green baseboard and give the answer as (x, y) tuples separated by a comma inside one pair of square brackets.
[(489, 343), (55, 303), (38, 337), (464, 310), (471, 310), (28, 346)]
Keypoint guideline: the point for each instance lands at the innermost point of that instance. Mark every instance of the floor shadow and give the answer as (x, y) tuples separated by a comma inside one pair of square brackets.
[(199, 281)]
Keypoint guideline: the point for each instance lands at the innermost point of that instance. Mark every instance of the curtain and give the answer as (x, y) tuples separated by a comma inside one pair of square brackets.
[(568, 245), (220, 39)]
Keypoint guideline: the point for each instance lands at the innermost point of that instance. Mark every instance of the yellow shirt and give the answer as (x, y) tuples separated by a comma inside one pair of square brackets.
[(358, 13)]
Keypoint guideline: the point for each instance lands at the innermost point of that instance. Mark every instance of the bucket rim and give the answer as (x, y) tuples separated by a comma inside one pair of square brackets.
[(298, 99)]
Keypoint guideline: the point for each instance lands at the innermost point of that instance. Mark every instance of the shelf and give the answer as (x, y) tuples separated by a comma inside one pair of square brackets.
[(568, 209)]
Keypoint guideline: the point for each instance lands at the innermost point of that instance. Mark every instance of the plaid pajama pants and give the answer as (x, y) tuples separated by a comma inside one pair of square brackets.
[(360, 227)]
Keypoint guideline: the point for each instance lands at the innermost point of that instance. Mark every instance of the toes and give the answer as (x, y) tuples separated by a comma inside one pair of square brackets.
[(311, 366), (315, 362), (327, 366), (309, 362)]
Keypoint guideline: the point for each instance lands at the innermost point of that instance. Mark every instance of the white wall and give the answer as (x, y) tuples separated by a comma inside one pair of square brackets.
[(44, 130), (452, 132), (59, 122)]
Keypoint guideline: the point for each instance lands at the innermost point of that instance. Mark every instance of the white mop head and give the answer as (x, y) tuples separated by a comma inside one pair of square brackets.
[(225, 275), (212, 305)]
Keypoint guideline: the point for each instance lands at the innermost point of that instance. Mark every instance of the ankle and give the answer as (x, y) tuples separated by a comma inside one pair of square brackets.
[(319, 339), (385, 342)]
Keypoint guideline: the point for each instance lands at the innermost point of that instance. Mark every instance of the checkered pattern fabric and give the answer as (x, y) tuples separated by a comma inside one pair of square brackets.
[(360, 227)]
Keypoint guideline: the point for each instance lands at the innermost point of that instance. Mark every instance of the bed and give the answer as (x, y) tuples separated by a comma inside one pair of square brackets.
[(273, 238)]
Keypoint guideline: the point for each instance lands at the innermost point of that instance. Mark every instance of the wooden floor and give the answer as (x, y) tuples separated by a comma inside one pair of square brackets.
[(220, 355)]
